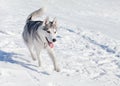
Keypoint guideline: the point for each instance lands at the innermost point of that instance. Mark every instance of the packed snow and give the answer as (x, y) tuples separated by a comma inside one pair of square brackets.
[(87, 47)]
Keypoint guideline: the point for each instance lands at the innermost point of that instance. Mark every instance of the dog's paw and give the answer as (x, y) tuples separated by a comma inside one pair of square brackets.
[(39, 64), (57, 69), (34, 59)]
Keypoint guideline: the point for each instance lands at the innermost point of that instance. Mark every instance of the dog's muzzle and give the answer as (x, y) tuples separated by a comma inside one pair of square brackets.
[(54, 40), (50, 43)]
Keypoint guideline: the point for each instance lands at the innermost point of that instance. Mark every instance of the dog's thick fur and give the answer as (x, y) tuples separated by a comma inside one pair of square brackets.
[(39, 35)]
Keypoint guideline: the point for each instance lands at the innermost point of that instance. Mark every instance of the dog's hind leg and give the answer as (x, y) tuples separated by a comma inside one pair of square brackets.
[(31, 49), (52, 55), (37, 49), (39, 61), (38, 57)]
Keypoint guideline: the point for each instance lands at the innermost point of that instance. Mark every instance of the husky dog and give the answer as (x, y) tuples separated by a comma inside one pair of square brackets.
[(39, 35)]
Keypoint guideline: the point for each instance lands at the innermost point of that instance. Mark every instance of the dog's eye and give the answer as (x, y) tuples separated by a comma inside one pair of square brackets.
[(48, 31)]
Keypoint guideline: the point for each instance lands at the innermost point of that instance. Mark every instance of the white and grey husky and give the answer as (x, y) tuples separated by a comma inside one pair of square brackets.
[(39, 35)]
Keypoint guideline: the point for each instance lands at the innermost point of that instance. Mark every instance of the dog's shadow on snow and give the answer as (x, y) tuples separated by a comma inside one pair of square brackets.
[(7, 57)]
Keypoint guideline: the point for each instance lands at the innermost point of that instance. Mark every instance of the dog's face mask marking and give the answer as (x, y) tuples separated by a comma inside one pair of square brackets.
[(50, 28)]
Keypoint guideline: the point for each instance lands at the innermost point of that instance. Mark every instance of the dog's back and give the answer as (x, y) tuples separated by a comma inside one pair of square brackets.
[(32, 26)]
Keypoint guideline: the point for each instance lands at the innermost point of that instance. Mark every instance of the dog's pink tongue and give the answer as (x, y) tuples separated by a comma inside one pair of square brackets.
[(51, 44)]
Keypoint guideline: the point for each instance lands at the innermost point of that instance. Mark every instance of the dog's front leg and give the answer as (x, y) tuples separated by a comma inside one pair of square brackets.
[(52, 55)]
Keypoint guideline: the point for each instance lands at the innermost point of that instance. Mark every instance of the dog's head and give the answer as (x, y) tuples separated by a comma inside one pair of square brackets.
[(50, 28)]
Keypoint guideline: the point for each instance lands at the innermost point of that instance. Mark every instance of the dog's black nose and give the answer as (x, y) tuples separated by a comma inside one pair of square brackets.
[(54, 40)]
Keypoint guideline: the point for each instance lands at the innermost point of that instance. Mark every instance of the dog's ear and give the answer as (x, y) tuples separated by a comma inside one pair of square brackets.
[(46, 21), (55, 21)]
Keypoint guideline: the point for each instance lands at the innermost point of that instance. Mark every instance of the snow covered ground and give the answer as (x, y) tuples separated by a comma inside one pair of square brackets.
[(87, 48)]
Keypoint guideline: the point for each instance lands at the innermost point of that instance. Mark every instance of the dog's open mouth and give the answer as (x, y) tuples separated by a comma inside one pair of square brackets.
[(50, 43)]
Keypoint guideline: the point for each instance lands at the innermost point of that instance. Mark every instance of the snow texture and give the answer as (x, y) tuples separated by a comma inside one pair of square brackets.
[(87, 48)]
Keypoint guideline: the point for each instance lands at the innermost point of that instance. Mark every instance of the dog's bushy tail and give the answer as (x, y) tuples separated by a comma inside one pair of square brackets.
[(36, 14)]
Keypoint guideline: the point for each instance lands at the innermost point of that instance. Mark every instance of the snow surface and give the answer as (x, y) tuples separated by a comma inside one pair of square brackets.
[(87, 48)]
